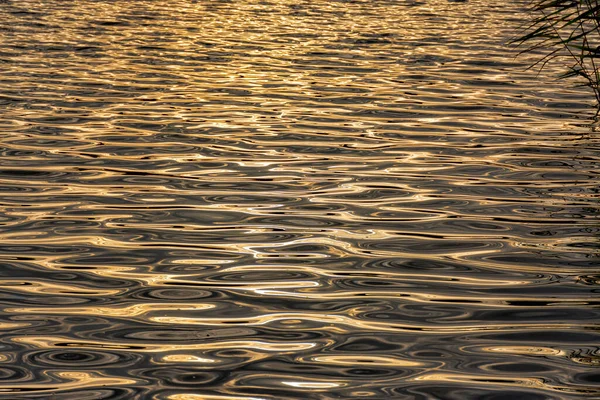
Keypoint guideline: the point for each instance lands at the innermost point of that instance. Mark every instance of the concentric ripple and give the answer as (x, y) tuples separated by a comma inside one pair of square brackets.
[(292, 199)]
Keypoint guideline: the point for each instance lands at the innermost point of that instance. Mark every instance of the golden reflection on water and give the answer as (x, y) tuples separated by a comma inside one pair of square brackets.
[(291, 200), (74, 380)]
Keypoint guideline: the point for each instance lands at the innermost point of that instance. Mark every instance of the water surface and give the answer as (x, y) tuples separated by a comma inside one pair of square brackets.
[(292, 200)]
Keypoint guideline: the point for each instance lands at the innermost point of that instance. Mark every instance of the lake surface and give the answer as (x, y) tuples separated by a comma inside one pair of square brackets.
[(292, 200)]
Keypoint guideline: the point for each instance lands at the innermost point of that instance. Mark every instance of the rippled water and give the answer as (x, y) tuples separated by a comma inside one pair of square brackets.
[(292, 200)]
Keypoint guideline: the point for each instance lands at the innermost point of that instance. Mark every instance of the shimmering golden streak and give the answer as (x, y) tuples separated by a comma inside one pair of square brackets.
[(476, 300), (106, 172), (363, 360), (254, 248), (78, 380), (311, 384), (45, 342), (334, 319), (186, 396), (470, 378), (199, 261), (502, 381), (516, 267), (273, 288), (173, 279), (50, 215), (525, 350), (388, 276), (113, 311), (234, 247), (63, 289), (249, 356), (14, 325), (107, 242), (150, 279), (188, 358)]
